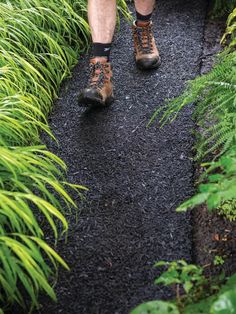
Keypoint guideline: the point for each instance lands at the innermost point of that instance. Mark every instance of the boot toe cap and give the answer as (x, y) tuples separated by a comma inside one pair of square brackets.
[(92, 93), (90, 96), (148, 63)]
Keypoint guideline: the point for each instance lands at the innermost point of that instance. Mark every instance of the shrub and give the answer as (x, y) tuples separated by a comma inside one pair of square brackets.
[(195, 294)]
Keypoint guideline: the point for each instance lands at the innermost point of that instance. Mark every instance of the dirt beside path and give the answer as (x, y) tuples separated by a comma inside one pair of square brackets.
[(137, 176)]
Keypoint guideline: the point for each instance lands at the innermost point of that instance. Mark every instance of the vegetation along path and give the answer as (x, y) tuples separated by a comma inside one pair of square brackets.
[(136, 175)]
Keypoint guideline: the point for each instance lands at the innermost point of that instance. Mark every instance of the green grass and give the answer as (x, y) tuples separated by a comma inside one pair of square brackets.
[(39, 44)]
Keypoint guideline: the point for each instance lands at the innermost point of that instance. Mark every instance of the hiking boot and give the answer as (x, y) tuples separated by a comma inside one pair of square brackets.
[(100, 89), (146, 53)]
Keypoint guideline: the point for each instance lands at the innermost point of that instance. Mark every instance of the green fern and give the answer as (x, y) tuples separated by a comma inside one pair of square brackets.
[(215, 95), (218, 183)]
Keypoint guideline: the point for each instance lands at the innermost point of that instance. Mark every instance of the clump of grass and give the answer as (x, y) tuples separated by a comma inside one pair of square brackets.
[(30, 179), (39, 44)]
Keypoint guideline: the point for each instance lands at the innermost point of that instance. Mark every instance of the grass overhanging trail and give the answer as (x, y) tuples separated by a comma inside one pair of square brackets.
[(39, 44)]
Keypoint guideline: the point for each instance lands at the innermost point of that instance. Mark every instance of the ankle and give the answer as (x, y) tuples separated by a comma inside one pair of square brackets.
[(143, 20), (142, 23), (100, 50)]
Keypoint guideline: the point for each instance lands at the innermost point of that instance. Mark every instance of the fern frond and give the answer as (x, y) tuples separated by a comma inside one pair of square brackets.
[(215, 97), (219, 185)]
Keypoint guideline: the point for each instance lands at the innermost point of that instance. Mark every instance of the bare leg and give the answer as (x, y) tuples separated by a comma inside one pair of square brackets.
[(102, 19), (144, 7)]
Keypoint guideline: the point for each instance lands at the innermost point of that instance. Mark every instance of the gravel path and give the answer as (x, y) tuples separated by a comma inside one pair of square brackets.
[(136, 175)]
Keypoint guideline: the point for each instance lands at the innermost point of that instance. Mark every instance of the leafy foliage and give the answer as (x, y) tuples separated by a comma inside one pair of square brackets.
[(223, 302), (155, 307), (220, 186), (195, 294), (189, 282), (188, 275), (39, 45), (218, 260), (226, 303)]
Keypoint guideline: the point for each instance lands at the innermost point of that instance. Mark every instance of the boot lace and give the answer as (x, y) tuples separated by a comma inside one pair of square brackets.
[(98, 73), (144, 39)]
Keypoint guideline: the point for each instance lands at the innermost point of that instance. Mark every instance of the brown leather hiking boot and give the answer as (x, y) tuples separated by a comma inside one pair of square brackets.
[(146, 53), (100, 89)]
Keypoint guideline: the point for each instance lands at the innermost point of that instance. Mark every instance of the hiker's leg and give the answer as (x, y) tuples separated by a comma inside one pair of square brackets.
[(144, 7), (102, 21)]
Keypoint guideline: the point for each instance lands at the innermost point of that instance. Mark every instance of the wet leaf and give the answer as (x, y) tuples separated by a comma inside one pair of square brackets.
[(225, 304), (156, 307)]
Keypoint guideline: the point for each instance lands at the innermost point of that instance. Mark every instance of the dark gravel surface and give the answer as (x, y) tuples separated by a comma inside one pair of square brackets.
[(137, 176)]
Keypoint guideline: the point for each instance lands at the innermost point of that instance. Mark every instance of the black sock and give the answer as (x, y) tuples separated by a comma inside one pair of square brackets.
[(101, 50), (143, 18)]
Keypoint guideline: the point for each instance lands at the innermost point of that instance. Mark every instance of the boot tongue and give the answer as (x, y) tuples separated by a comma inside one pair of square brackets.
[(142, 23)]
